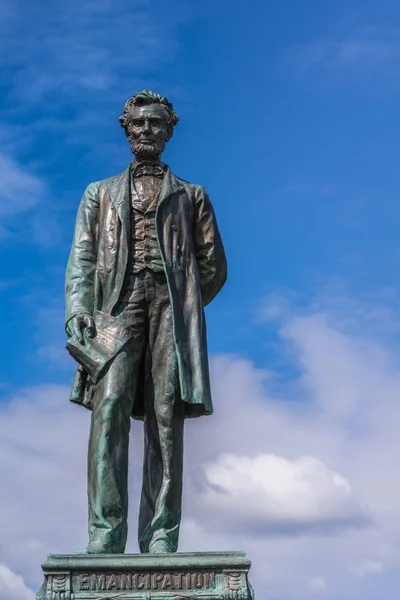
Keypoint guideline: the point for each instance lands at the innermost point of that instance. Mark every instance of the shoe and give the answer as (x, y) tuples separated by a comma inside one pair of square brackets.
[(160, 547), (93, 548)]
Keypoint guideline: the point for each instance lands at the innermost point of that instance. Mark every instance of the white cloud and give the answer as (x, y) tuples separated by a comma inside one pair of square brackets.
[(342, 410), (365, 54), (91, 54), (368, 567), (73, 68), (12, 587), (268, 493), (24, 192), (317, 584), (369, 53), (20, 191), (42, 457), (73, 56), (300, 459)]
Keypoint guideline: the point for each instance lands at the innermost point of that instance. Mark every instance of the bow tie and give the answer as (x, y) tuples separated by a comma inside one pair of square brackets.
[(144, 170)]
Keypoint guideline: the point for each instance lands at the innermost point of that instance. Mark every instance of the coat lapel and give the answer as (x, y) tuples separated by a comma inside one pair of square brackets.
[(171, 185), (119, 188)]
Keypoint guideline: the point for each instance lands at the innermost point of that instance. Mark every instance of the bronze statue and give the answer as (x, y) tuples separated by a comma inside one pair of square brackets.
[(146, 258)]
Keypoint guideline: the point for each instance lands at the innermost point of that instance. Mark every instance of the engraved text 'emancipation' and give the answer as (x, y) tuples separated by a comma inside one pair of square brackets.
[(146, 581)]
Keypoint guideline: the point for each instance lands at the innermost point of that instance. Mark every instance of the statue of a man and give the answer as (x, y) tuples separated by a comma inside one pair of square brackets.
[(146, 258)]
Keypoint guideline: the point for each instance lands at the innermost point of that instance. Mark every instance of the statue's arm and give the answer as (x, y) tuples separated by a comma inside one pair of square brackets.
[(210, 253), (81, 268)]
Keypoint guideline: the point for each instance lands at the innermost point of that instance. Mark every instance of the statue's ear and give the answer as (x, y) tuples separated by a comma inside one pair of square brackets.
[(170, 131)]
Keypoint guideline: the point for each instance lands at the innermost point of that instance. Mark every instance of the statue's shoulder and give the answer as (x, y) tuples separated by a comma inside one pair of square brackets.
[(94, 188), (113, 179), (191, 188)]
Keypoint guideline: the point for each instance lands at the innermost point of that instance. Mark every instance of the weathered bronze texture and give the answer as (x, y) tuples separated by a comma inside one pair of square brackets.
[(146, 258), (206, 576)]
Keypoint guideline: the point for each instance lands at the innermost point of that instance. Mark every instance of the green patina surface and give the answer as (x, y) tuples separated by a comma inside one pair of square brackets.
[(209, 575), (146, 258)]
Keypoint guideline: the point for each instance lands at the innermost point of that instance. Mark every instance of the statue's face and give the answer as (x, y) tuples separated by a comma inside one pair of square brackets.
[(148, 131)]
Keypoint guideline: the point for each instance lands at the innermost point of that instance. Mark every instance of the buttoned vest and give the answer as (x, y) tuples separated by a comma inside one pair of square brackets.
[(144, 249)]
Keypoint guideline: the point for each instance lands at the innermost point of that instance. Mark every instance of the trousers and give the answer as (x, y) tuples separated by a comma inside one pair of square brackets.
[(145, 308)]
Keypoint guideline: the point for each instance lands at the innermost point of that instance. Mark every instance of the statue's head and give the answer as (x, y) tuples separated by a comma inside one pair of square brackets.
[(149, 121)]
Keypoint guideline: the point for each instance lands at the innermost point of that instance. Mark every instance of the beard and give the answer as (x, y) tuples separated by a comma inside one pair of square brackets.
[(147, 152)]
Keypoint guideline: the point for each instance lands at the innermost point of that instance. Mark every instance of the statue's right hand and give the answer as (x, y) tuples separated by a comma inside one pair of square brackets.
[(80, 324)]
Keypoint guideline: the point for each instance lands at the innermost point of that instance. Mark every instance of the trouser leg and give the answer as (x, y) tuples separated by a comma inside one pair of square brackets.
[(108, 453), (160, 507), (109, 438)]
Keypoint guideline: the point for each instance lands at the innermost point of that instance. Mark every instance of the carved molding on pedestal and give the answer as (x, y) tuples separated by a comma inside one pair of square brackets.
[(57, 586), (208, 576)]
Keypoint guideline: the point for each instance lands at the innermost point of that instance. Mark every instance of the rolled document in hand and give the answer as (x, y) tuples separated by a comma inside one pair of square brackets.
[(94, 353)]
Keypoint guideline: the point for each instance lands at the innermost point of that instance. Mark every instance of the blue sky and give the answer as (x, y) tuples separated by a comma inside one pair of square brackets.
[(289, 117)]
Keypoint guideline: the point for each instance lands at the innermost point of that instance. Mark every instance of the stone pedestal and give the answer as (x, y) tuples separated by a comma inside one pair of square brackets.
[(206, 576)]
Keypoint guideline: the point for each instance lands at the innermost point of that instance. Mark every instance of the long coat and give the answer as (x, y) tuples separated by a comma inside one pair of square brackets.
[(194, 263)]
